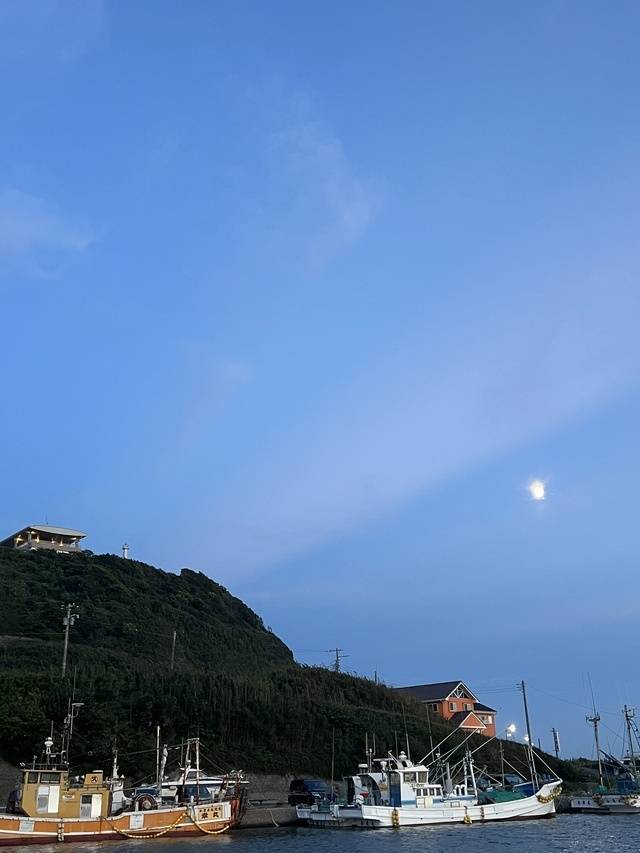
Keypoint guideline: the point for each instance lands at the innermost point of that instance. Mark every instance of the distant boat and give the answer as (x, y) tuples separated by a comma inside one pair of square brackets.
[(618, 791), (394, 792)]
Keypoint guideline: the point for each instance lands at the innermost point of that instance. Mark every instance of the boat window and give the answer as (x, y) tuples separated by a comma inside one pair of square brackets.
[(32, 778), (50, 778), (85, 806), (422, 777), (394, 778), (42, 804), (409, 777)]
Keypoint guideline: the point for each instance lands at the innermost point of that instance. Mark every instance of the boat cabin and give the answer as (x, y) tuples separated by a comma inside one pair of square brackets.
[(399, 782), (50, 792)]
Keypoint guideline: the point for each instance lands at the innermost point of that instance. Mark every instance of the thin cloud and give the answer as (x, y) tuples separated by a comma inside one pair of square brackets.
[(336, 204), (62, 30), (431, 416), (36, 233)]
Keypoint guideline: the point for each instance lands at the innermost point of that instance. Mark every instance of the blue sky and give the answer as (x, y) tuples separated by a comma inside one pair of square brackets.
[(305, 295)]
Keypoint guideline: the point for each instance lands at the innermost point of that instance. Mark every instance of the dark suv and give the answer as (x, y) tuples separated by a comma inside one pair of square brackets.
[(306, 792)]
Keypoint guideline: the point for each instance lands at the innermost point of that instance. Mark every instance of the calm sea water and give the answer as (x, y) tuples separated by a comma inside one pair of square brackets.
[(564, 834)]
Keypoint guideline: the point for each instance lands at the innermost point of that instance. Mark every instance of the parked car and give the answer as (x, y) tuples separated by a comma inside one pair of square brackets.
[(306, 792)]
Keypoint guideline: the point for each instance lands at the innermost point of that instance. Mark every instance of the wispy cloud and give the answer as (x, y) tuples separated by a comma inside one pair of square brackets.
[(216, 381), (63, 30), (337, 203), (433, 414), (35, 233)]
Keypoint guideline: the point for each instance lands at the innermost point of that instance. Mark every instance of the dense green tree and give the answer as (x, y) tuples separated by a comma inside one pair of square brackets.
[(234, 682)]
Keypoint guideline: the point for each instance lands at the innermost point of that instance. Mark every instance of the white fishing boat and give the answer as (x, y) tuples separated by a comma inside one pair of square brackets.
[(395, 792)]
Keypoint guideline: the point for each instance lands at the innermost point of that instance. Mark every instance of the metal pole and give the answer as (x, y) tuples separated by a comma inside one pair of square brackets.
[(333, 758), (502, 762), (534, 775), (556, 742), (67, 624), (197, 770), (173, 650), (158, 757), (595, 720), (628, 715)]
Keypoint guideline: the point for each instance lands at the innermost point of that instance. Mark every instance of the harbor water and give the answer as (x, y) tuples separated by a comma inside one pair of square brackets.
[(563, 834)]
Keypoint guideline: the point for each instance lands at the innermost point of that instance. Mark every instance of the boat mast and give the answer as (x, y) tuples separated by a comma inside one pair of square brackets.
[(158, 758), (197, 770), (629, 714), (595, 721), (532, 766)]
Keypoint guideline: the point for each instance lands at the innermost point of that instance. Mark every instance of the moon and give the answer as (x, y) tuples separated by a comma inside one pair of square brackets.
[(537, 490)]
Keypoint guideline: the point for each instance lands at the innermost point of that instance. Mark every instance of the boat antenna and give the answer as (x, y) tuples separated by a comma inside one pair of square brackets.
[(406, 733), (595, 722)]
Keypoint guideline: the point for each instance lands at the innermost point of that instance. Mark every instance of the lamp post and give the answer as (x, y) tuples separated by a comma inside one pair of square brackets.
[(508, 732), (71, 614)]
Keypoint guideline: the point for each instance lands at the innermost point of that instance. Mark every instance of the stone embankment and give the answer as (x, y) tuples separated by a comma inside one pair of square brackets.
[(268, 801)]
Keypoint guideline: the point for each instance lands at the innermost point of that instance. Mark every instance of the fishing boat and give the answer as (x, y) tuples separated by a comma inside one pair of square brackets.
[(50, 805), (618, 789), (395, 792)]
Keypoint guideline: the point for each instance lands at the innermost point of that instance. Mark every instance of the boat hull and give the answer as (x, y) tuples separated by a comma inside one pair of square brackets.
[(606, 804), (158, 823), (539, 805)]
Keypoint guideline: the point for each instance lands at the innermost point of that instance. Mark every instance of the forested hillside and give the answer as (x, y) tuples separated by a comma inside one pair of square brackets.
[(234, 682)]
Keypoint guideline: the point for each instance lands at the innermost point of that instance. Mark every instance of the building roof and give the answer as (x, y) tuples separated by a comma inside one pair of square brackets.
[(45, 528), (434, 692), (56, 531), (480, 707), (467, 720)]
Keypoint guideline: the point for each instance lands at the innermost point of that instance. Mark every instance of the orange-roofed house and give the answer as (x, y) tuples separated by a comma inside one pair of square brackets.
[(455, 702)]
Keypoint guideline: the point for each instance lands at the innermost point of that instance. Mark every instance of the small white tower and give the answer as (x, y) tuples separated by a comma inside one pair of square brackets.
[(125, 551)]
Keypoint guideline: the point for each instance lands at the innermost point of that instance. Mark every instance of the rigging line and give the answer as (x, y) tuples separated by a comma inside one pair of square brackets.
[(566, 701)]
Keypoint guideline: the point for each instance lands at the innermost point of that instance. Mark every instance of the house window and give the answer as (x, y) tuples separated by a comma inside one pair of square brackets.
[(488, 719), (468, 707), (434, 706), (452, 706)]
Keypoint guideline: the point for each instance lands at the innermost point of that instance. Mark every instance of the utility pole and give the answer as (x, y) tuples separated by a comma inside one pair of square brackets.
[(67, 621), (173, 651), (556, 741), (339, 656), (595, 722)]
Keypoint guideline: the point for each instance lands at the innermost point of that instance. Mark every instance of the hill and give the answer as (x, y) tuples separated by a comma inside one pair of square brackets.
[(233, 681)]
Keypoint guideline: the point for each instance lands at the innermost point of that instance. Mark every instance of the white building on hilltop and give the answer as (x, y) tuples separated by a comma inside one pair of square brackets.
[(42, 536)]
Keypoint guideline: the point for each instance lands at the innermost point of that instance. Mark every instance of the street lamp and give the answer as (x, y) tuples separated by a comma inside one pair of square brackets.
[(508, 732)]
